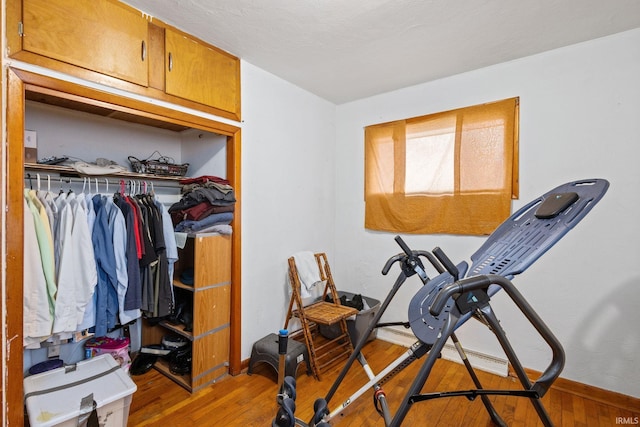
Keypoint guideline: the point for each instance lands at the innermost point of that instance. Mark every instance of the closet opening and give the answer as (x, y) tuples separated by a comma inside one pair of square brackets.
[(73, 120)]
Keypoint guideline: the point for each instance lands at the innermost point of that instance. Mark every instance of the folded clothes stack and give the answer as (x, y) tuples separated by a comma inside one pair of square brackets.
[(207, 205)]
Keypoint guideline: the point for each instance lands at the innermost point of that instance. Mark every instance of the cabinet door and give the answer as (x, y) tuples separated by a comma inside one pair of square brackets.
[(102, 36), (201, 73)]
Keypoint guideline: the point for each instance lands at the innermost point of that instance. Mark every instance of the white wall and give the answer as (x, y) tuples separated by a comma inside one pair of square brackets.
[(288, 184), (579, 118), (84, 136)]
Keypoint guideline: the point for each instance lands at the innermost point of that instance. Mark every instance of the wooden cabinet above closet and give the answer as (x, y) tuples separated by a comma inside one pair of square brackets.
[(199, 72), (113, 44), (97, 35)]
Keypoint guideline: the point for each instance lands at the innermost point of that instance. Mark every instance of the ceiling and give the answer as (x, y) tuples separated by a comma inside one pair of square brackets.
[(343, 50)]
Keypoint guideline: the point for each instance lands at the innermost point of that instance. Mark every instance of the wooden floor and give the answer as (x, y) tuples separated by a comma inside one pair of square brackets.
[(246, 400)]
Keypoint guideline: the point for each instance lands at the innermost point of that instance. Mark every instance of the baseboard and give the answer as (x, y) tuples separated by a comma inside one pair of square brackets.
[(481, 361), (606, 397), (397, 336)]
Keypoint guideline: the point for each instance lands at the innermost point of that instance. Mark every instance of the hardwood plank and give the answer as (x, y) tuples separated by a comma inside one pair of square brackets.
[(591, 414), (567, 410), (579, 415), (554, 405), (606, 415)]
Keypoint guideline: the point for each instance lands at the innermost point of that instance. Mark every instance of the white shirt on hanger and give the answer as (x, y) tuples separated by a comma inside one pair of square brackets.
[(37, 320), (77, 272)]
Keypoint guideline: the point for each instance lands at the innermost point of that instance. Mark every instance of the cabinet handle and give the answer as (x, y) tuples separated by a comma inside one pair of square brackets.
[(170, 61), (143, 51)]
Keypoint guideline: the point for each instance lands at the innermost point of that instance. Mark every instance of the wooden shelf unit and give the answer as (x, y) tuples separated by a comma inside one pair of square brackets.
[(209, 255)]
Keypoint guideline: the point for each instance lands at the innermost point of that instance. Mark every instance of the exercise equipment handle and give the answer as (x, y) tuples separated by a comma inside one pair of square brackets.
[(390, 262), (446, 262), (411, 262), (403, 246), (458, 287)]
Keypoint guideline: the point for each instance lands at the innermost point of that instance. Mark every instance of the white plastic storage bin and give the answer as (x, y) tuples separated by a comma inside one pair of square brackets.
[(53, 398)]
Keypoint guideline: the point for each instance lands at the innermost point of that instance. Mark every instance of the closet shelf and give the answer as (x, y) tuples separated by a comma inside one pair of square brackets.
[(163, 366), (177, 328), (69, 171), (178, 284)]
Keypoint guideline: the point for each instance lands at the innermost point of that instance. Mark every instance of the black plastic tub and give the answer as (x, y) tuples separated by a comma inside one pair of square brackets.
[(357, 327)]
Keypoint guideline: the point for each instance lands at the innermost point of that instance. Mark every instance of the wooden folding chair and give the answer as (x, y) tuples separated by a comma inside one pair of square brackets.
[(322, 351)]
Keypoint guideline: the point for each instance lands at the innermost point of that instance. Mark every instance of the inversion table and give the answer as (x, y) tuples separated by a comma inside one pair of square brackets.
[(448, 300)]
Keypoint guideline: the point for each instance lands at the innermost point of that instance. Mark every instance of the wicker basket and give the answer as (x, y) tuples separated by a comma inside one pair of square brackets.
[(161, 167)]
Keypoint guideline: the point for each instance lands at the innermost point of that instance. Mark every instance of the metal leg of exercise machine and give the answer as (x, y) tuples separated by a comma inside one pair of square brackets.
[(472, 289)]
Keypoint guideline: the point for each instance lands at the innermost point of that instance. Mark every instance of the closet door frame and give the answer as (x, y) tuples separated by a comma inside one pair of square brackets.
[(19, 82)]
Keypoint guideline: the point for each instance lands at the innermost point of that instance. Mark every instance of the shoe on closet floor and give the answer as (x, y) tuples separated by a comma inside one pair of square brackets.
[(142, 363)]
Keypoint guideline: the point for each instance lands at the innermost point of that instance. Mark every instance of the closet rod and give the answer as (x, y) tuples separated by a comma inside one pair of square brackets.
[(102, 181)]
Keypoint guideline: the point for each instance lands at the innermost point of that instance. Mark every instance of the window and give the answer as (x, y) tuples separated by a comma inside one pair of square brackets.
[(453, 172)]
